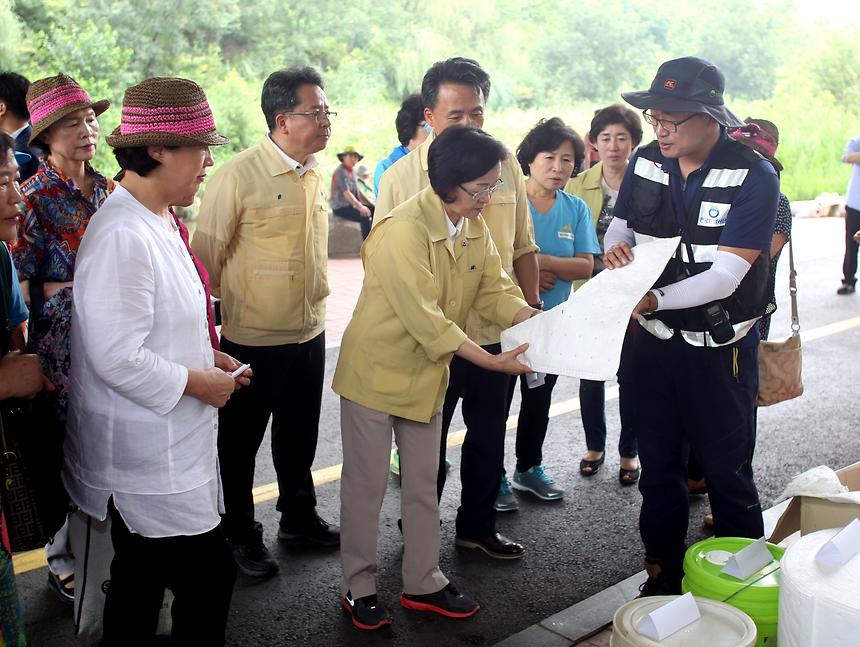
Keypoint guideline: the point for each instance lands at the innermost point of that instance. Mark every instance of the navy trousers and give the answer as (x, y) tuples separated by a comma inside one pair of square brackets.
[(688, 397), (485, 411)]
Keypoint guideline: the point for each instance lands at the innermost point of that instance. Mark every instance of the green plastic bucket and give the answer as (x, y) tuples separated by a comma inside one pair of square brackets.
[(703, 564)]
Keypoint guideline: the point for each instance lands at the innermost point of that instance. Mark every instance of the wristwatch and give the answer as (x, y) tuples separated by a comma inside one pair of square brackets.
[(537, 306)]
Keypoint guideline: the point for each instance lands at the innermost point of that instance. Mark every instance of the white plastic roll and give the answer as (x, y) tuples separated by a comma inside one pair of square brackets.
[(818, 606)]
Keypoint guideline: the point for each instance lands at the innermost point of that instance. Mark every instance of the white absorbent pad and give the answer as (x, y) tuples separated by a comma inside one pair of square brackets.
[(582, 337)]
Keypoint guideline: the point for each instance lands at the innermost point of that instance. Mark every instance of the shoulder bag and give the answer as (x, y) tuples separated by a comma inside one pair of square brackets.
[(779, 362)]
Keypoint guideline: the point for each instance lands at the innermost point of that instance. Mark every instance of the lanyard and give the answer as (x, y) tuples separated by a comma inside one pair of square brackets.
[(681, 220)]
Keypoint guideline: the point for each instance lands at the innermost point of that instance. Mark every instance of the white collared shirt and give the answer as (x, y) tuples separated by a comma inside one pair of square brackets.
[(301, 169), (453, 230), (138, 324), (14, 135)]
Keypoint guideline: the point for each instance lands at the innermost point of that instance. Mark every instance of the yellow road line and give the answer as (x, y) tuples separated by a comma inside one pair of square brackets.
[(34, 559), (830, 329)]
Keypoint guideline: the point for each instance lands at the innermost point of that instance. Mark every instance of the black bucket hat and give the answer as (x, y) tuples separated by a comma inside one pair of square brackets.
[(687, 84)]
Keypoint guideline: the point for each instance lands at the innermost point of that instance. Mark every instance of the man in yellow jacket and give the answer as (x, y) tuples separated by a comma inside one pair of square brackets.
[(262, 234), (454, 93)]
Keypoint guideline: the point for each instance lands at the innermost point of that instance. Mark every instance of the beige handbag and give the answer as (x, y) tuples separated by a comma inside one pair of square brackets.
[(779, 362)]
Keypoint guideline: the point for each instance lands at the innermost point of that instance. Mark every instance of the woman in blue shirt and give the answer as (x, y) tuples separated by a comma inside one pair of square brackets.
[(567, 240)]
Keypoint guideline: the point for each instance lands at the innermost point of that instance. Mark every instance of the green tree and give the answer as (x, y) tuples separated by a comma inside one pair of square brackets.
[(10, 34), (835, 68)]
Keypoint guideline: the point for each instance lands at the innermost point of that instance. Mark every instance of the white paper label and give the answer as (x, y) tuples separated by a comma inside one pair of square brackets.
[(534, 380), (670, 618), (749, 560), (713, 214), (842, 547)]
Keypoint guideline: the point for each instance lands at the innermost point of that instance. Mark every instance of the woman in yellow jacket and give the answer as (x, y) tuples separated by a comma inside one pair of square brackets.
[(615, 132), (427, 263)]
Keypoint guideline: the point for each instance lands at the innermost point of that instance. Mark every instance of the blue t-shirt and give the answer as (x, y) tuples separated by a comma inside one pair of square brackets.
[(565, 230), (18, 312), (385, 164)]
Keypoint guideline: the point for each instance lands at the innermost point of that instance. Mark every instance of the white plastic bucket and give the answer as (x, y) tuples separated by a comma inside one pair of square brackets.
[(721, 625)]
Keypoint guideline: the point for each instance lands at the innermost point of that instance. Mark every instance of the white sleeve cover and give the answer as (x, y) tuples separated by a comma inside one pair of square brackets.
[(618, 231), (717, 282)]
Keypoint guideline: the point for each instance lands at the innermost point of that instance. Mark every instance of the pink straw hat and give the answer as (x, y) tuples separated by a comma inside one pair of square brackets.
[(762, 136), (52, 98), (166, 111)]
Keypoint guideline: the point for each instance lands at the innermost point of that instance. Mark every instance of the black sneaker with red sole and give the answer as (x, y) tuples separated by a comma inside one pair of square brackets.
[(367, 613), (448, 602)]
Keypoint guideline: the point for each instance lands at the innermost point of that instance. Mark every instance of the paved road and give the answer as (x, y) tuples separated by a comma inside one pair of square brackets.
[(576, 547)]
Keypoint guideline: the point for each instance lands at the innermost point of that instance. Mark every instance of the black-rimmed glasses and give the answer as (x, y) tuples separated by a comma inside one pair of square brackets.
[(666, 124)]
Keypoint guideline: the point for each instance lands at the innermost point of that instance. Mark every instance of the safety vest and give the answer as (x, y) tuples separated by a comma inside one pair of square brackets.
[(651, 214)]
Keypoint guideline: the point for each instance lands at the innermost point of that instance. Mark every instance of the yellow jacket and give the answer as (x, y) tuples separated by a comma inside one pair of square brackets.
[(417, 292), (262, 234), (506, 216), (587, 186)]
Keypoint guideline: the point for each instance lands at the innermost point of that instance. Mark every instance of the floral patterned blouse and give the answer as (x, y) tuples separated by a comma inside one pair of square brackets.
[(56, 215)]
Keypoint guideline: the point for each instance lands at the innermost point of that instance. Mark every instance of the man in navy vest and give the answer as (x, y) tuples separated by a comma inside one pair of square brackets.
[(695, 367)]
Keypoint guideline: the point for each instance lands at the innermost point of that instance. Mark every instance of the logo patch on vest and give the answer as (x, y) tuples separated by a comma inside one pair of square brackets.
[(713, 214)]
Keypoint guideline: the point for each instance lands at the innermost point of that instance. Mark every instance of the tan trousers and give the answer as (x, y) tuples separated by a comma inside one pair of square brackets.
[(366, 436)]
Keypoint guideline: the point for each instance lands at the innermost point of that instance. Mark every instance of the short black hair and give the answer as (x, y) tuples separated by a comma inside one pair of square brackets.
[(137, 159), (6, 144), (280, 90), (464, 71), (461, 154), (616, 114), (409, 117), (547, 135), (13, 92)]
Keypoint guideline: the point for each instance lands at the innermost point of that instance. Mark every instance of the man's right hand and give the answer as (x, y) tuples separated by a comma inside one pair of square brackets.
[(363, 211), (618, 256), (21, 376)]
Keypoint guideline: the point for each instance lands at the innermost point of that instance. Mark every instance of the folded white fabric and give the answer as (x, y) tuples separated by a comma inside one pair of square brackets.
[(821, 482)]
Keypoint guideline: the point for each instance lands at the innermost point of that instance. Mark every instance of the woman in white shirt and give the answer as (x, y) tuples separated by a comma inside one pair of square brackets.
[(146, 382)]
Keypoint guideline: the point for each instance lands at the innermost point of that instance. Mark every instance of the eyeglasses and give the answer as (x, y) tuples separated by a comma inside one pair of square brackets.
[(483, 193), (317, 114), (666, 124)]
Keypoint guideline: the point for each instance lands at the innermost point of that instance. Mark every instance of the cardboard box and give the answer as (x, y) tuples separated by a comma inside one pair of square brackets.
[(808, 513)]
